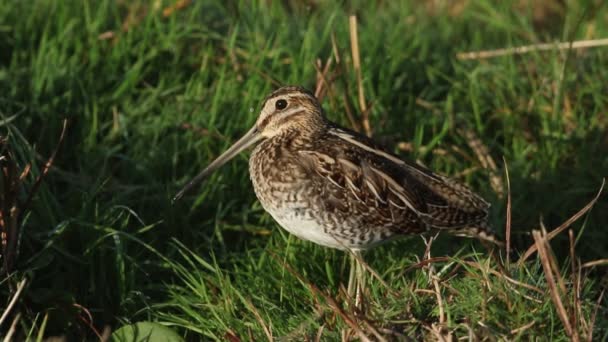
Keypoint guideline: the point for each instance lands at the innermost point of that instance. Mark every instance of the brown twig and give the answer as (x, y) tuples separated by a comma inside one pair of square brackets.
[(9, 205), (45, 169), (354, 45), (324, 85), (423, 263), (11, 209), (520, 50), (542, 245), (88, 320)]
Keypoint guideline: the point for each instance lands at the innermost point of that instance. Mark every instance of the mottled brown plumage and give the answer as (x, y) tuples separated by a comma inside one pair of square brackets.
[(338, 188)]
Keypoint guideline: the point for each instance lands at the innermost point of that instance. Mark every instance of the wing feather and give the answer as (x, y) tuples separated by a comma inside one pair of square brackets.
[(439, 201), (401, 194)]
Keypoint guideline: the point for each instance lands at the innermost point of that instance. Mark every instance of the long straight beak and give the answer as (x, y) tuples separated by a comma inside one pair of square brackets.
[(247, 140)]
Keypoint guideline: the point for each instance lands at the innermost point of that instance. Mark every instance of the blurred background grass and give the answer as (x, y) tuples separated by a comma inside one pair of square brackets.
[(155, 90)]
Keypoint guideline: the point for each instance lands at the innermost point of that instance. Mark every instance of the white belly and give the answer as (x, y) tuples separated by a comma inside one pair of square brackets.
[(305, 227)]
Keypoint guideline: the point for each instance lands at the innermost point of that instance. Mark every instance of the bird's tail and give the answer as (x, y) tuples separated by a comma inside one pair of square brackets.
[(481, 231)]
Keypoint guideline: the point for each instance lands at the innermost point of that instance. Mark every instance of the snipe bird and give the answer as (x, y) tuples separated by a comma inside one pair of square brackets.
[(337, 188)]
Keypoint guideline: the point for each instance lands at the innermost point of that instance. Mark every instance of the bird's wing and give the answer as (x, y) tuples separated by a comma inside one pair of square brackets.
[(365, 173)]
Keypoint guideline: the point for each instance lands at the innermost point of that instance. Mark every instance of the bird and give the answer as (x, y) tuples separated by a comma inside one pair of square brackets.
[(340, 189)]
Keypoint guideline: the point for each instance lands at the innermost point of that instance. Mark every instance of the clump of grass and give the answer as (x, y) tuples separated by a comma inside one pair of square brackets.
[(153, 91)]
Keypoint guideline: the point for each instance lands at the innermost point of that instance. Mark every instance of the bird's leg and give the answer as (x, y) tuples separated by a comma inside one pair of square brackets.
[(350, 289), (360, 275), (356, 279)]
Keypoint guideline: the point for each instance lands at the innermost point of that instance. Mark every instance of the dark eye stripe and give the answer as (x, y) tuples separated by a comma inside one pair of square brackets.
[(264, 122)]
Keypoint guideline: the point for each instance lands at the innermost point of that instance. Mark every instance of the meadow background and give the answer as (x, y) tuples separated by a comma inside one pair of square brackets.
[(154, 90)]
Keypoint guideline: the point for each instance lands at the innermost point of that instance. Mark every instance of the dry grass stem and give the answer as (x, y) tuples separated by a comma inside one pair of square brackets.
[(508, 220), (320, 333), (11, 331), (423, 263), (46, 168), (354, 44), (439, 333), (442, 319), (592, 323), (322, 84), (340, 70), (482, 152), (88, 320), (258, 317), (520, 50), (176, 6), (576, 283), (599, 262), (564, 225), (13, 301), (438, 330), (522, 328), (334, 48), (374, 331), (545, 255)]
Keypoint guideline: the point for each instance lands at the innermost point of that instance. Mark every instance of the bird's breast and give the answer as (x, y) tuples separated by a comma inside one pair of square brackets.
[(287, 193), (277, 178)]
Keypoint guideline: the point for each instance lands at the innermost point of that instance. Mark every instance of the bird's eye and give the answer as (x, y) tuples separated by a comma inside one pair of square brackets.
[(280, 104)]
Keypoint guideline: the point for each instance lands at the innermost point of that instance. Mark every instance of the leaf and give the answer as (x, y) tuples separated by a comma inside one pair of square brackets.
[(145, 331)]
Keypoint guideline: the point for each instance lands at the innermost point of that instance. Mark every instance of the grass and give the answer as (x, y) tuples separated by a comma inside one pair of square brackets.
[(152, 92)]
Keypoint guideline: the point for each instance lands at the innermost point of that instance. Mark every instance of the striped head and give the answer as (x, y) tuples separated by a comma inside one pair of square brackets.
[(289, 108)]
